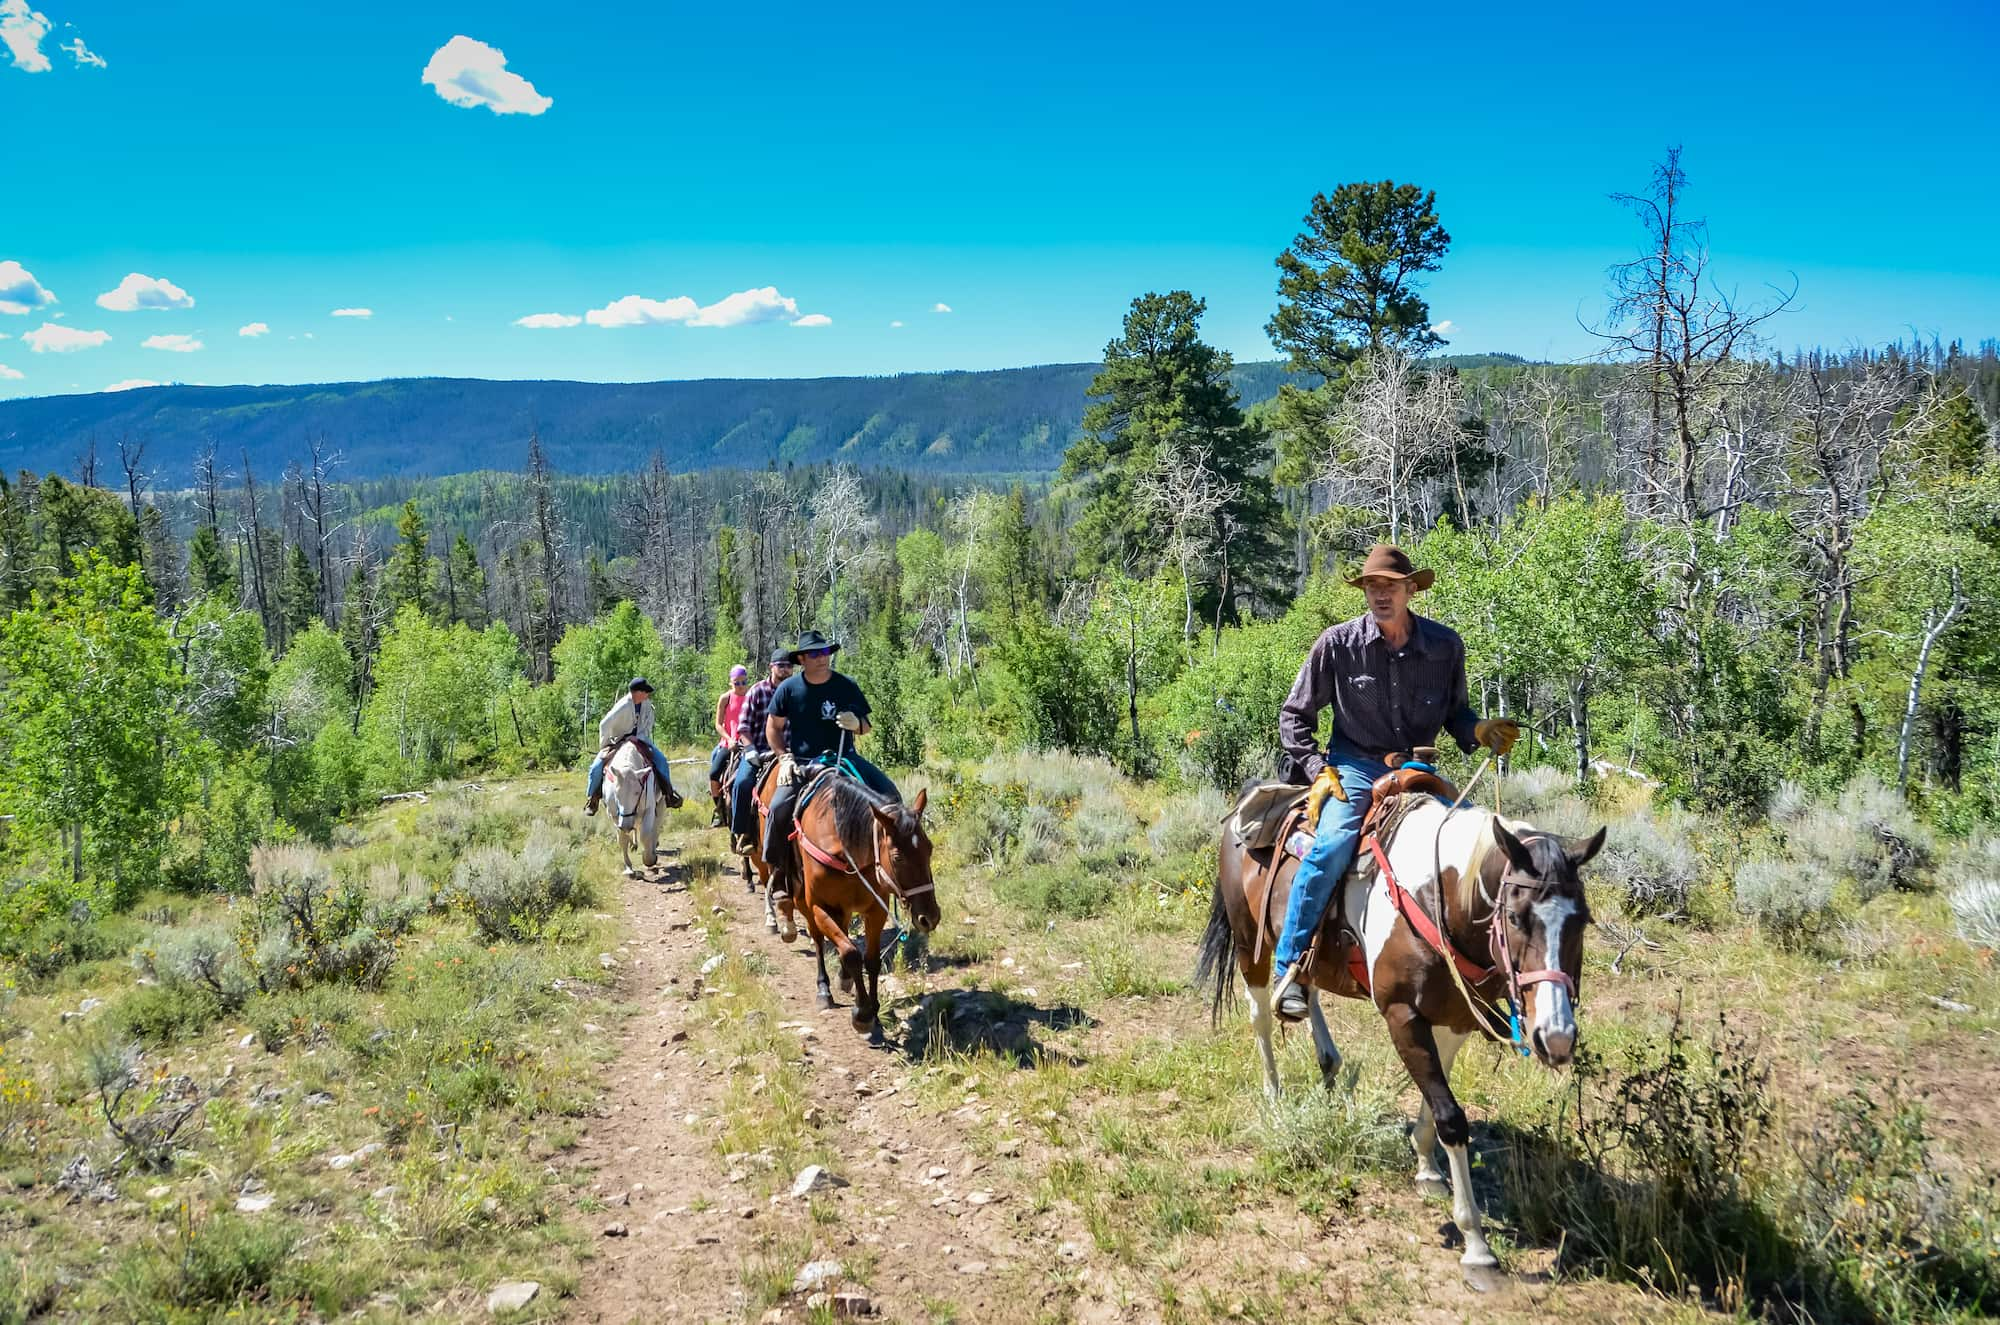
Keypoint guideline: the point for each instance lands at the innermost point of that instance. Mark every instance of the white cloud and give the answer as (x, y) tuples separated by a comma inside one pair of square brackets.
[(895, 324), (11, 374), (814, 320), (353, 312), (52, 339), (132, 384), (20, 292), (1444, 328), (471, 73), (254, 329), (540, 320), (139, 291), (82, 54), (638, 311), (763, 304), (22, 30), (940, 308), (176, 342)]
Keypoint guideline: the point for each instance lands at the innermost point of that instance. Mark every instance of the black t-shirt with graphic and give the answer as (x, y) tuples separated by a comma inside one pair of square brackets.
[(809, 712)]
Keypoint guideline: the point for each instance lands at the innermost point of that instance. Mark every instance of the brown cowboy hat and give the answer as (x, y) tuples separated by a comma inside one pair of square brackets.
[(1386, 561)]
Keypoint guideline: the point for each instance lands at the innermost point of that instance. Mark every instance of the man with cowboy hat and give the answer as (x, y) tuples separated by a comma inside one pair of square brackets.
[(809, 712), (1393, 680), (631, 716)]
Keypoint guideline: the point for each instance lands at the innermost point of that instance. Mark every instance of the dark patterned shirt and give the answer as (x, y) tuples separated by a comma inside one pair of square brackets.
[(756, 708), (1384, 700)]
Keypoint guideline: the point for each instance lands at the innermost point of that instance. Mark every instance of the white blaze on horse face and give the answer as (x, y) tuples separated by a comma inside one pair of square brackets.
[(1555, 1016)]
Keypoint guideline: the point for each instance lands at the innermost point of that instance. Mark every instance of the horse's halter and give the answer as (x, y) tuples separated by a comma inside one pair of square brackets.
[(1503, 958)]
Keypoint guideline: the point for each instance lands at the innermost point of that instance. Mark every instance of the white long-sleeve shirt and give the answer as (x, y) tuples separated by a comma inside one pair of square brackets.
[(626, 720)]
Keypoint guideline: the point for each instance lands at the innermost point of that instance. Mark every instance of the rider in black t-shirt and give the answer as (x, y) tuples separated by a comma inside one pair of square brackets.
[(809, 712)]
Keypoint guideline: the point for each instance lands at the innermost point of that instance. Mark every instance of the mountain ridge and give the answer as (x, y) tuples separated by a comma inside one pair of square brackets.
[(975, 420)]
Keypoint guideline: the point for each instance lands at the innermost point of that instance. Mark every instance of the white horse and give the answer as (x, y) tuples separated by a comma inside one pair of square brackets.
[(632, 790)]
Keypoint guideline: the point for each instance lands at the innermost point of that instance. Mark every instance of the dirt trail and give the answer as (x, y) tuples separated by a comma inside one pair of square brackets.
[(942, 1215)]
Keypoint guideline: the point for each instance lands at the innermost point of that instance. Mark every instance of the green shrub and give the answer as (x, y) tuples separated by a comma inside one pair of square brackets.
[(164, 1013), (1066, 888), (1975, 905), (212, 851), (214, 1264), (315, 1015), (1867, 837), (44, 930), (1790, 901), (515, 895), (1104, 828), (1315, 1140)]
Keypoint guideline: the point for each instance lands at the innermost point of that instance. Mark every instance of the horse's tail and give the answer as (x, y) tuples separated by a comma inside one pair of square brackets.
[(1216, 961)]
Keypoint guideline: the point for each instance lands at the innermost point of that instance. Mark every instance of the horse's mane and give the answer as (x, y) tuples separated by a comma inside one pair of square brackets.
[(854, 805)]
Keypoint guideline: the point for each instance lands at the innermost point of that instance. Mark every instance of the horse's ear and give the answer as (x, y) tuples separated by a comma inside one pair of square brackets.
[(917, 805), (884, 817), (1579, 853), (1517, 852)]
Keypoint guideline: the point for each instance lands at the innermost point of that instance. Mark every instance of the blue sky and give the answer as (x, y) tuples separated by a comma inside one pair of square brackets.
[(1031, 167)]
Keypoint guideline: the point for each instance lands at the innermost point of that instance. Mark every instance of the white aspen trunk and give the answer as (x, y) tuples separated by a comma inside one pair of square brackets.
[(1934, 629)]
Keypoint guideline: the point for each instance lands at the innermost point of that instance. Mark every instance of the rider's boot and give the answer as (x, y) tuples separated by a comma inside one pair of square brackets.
[(718, 819), (590, 805), (1292, 995)]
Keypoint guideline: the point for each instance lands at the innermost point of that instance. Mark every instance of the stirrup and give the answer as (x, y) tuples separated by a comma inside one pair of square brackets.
[(1293, 978)]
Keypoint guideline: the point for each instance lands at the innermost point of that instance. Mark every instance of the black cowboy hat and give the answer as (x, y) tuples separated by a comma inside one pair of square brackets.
[(782, 656), (1386, 561), (811, 640), (641, 683)]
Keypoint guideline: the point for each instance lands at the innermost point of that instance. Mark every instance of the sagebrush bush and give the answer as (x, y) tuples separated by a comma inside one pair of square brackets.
[(1975, 905), (164, 1013), (1103, 827), (1789, 900), (1313, 1140), (1867, 837), (70, 938), (1652, 857), (202, 957), (1048, 777), (304, 928), (1189, 824), (1038, 836), (514, 895)]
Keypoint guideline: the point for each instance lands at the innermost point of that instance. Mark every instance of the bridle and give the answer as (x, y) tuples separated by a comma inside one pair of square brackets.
[(618, 811), (844, 863)]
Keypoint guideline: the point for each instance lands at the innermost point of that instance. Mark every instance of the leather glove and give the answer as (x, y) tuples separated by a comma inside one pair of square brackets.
[(1326, 784), (847, 721), (1497, 734)]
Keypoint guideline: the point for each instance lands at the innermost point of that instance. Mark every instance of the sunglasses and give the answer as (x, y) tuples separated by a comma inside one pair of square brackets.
[(815, 653), (740, 681)]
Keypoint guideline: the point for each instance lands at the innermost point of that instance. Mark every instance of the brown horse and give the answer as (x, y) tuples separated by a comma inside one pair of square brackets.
[(857, 851), (1513, 918)]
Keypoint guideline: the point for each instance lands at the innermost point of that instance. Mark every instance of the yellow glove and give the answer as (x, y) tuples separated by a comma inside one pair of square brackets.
[(847, 722), (1326, 784), (1497, 734)]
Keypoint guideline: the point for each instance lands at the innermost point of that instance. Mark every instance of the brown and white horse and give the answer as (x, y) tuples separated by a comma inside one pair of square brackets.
[(1514, 913)]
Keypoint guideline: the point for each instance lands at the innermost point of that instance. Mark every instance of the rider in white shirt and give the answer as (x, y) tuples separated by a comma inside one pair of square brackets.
[(631, 716)]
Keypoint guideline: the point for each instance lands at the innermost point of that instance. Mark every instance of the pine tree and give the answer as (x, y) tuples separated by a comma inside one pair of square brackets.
[(298, 593), (208, 564), (465, 584), (1164, 409), (409, 573)]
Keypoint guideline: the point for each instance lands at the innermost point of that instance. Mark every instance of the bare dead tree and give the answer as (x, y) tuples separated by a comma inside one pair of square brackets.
[(840, 525), (545, 521), (1183, 493), (208, 481), (255, 537), (320, 517), (86, 463), (770, 514), (1939, 618), (1394, 422), (132, 463)]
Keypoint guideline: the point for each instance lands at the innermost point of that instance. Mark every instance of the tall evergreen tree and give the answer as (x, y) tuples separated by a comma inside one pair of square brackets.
[(1165, 419), (298, 592), (208, 563), (465, 584), (409, 572)]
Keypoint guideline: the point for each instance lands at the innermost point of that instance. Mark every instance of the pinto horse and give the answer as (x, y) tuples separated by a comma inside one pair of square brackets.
[(1513, 912), (634, 795), (859, 850)]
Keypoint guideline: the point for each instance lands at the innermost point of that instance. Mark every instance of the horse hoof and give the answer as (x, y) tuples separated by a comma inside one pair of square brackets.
[(631, 873), (862, 1023), (825, 1002), (770, 926), (1482, 1278), (1433, 1189), (875, 1037), (790, 935)]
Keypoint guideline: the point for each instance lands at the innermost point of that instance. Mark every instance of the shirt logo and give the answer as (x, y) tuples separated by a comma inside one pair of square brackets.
[(1362, 682), (826, 708)]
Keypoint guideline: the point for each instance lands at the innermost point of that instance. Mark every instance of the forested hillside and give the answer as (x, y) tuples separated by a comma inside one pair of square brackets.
[(1015, 420)]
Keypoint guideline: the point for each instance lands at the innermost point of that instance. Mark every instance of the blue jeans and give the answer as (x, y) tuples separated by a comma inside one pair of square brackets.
[(659, 771), (1332, 852), (743, 799)]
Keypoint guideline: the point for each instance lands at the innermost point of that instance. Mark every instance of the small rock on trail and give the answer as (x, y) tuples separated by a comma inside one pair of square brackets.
[(511, 1296)]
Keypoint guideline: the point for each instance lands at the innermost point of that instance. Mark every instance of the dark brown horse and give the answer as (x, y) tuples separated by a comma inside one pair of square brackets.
[(1513, 912), (856, 852)]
